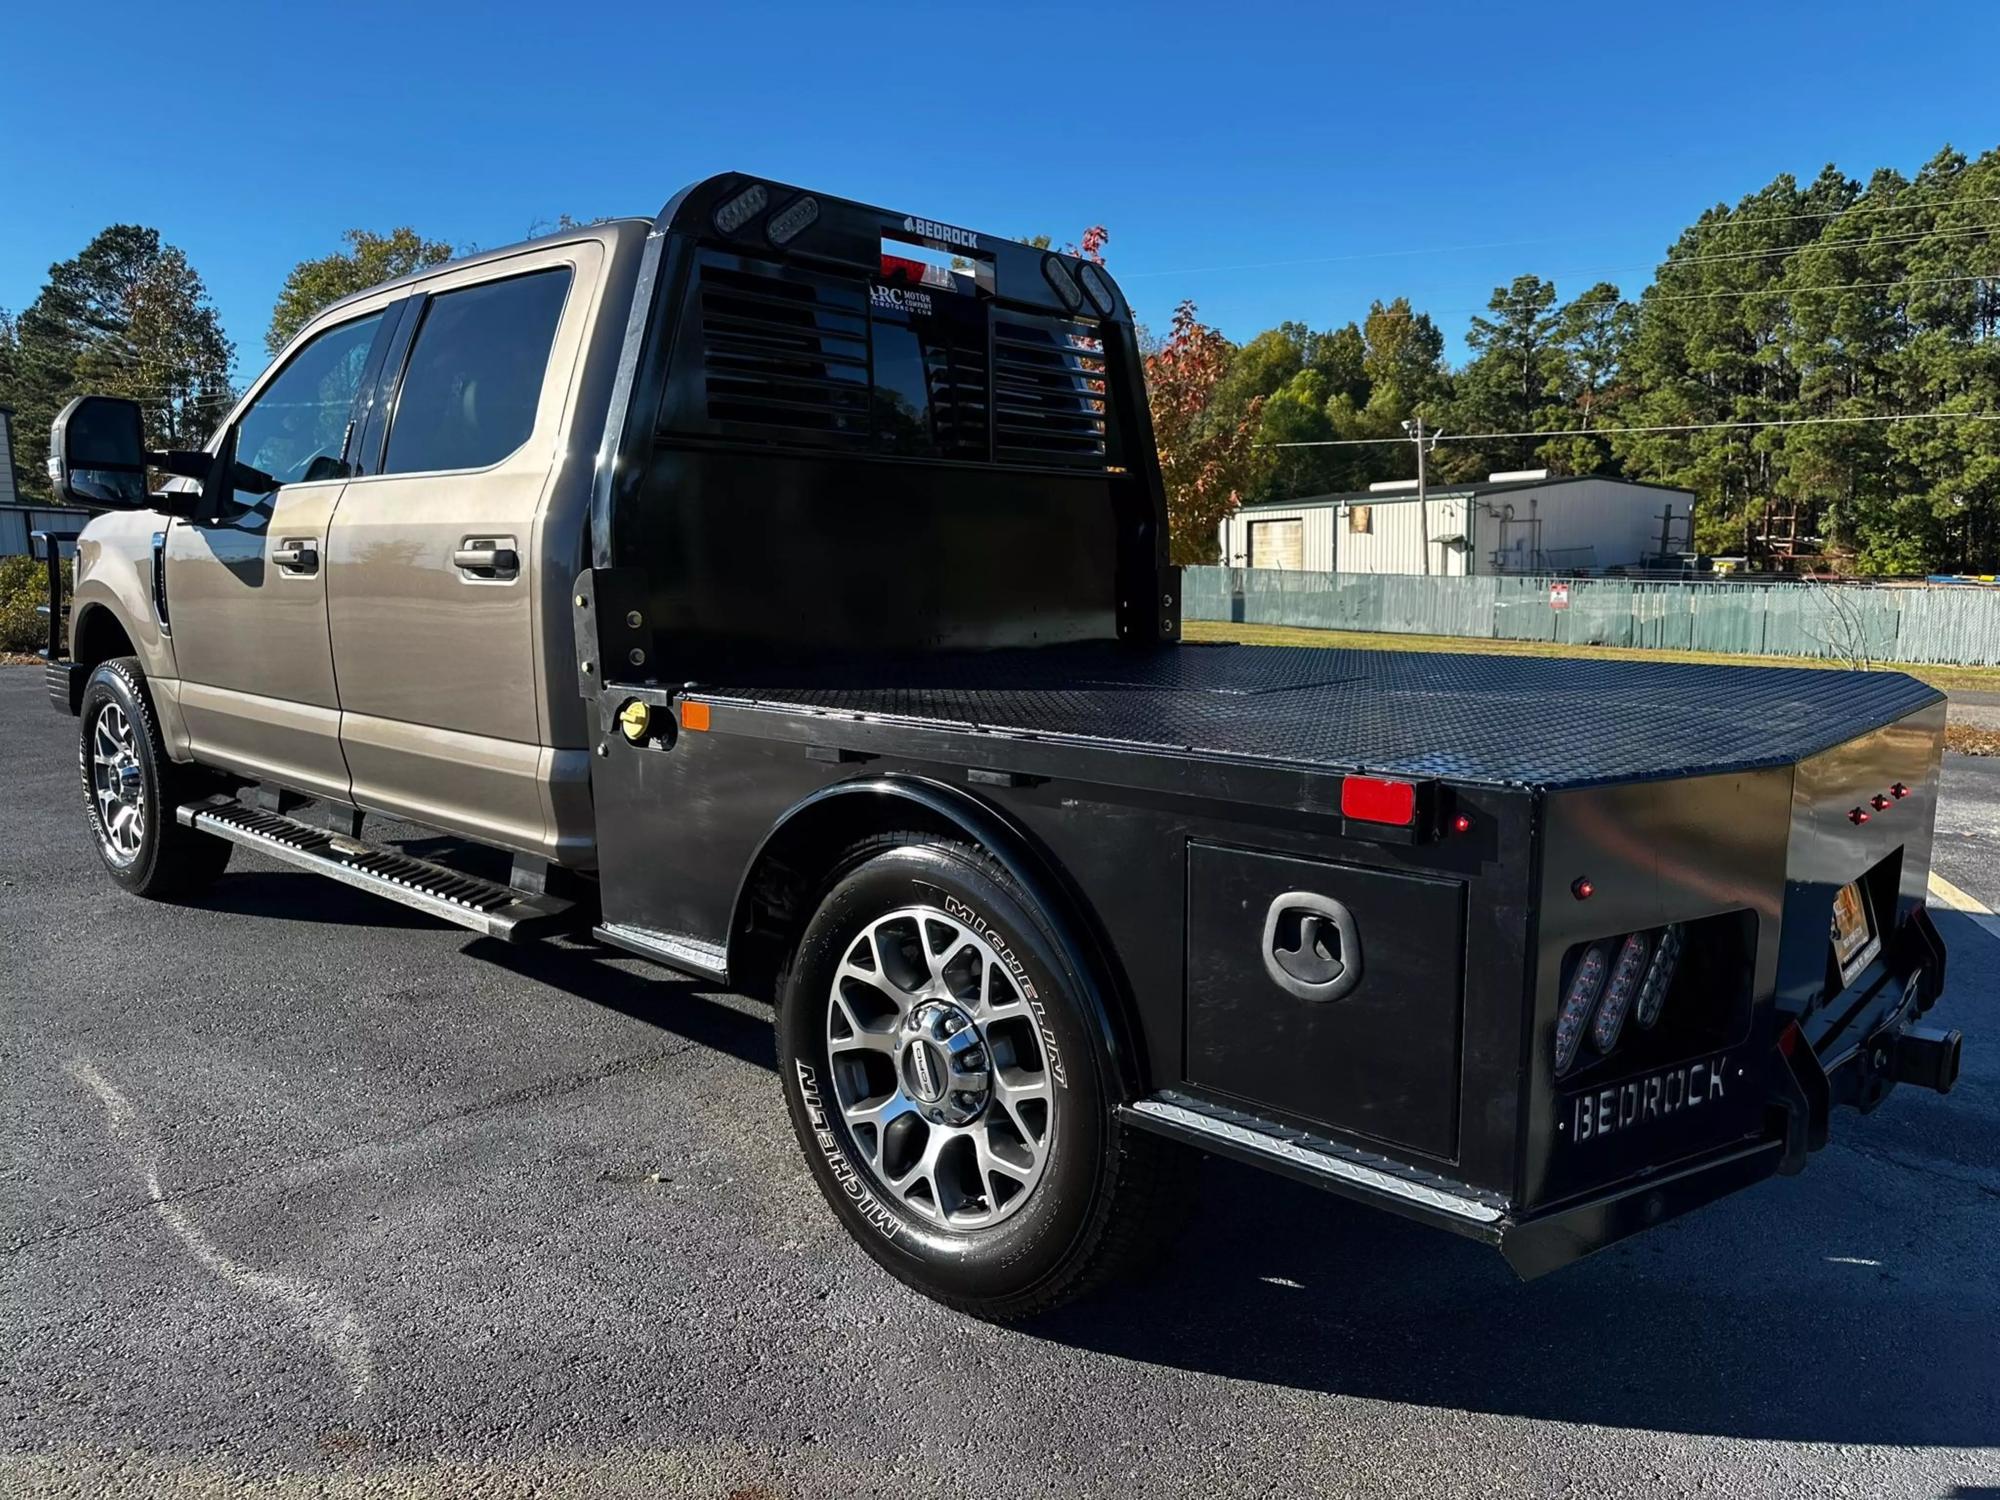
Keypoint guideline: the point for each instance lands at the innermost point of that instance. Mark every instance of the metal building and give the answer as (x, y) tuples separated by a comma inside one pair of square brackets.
[(9, 491), (1525, 522)]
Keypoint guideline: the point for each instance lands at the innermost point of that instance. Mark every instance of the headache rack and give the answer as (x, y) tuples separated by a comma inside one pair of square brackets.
[(879, 361), (836, 404)]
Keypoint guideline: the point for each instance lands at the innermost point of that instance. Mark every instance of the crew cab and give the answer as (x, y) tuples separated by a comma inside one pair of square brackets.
[(778, 588)]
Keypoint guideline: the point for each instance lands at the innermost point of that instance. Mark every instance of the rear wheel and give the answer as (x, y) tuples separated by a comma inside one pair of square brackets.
[(951, 1089), (130, 790)]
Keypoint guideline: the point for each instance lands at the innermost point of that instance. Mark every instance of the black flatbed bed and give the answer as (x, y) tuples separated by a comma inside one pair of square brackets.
[(1505, 720)]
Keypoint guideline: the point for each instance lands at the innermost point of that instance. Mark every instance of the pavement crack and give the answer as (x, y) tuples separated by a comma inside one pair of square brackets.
[(306, 1166), (328, 1318)]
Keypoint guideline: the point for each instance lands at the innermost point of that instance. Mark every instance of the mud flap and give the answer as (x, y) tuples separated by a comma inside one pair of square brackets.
[(1802, 1100)]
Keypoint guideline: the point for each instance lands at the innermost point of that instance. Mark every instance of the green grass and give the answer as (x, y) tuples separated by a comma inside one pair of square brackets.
[(1944, 679)]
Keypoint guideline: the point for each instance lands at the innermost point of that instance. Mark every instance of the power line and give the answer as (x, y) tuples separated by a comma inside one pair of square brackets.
[(1859, 207), (1770, 290), (1328, 260), (1481, 437), (1954, 233), (1838, 286), (1731, 223), (1925, 237)]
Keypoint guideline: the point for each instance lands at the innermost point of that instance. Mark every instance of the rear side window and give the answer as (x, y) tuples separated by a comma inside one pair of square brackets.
[(474, 376)]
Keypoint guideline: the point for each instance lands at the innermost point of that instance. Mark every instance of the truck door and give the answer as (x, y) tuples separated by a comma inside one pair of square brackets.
[(432, 585), (246, 591)]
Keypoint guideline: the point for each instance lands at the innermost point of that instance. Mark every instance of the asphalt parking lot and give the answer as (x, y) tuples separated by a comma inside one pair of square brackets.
[(305, 1193)]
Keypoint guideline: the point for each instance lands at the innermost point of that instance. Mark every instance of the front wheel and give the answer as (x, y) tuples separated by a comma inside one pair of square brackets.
[(952, 1091), (130, 790)]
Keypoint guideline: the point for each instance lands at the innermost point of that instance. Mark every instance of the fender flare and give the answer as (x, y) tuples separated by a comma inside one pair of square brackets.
[(1018, 853)]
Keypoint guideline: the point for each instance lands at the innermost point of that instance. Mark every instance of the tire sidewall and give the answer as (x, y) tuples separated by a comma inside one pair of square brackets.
[(114, 683), (1011, 1258)]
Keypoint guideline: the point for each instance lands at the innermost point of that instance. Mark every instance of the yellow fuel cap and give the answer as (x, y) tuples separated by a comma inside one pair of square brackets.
[(635, 718)]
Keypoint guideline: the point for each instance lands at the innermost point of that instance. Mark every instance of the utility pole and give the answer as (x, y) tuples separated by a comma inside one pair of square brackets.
[(1415, 428)]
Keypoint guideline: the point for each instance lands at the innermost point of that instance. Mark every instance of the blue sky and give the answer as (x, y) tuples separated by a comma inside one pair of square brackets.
[(1270, 161)]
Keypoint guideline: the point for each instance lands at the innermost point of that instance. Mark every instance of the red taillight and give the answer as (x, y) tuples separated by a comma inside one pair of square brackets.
[(1584, 987), (1461, 824), (1368, 799), (1619, 993)]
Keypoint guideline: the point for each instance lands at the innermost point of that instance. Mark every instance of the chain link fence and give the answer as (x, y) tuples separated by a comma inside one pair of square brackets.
[(1938, 623)]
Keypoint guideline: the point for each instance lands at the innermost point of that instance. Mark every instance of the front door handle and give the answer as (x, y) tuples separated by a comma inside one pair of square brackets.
[(488, 559), (297, 554)]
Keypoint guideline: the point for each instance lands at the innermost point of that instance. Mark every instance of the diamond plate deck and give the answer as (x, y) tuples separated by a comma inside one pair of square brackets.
[(1478, 718)]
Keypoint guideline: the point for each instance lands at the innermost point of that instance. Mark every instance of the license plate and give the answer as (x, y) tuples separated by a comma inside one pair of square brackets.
[(1855, 942)]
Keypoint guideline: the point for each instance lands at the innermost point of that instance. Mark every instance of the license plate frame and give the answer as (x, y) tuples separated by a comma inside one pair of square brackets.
[(1856, 942)]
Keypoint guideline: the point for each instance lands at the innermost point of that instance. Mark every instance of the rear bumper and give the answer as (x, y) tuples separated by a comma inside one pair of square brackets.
[(1804, 1090), (1547, 1242)]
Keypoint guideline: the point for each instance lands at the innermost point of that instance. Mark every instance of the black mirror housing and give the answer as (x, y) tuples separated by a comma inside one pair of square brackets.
[(97, 454), (98, 459)]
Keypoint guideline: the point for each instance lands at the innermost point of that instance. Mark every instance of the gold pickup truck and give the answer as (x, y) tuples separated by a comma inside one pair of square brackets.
[(778, 589)]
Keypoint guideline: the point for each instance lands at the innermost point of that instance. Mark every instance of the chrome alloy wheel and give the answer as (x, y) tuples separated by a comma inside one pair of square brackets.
[(118, 783), (939, 1069)]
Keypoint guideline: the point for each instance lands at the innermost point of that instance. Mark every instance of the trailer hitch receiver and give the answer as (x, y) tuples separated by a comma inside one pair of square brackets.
[(1928, 1056)]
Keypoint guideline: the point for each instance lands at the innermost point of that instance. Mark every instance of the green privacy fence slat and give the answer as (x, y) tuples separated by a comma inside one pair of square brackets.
[(1926, 623)]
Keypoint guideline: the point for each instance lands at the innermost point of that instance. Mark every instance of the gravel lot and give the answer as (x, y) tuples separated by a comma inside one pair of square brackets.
[(304, 1193)]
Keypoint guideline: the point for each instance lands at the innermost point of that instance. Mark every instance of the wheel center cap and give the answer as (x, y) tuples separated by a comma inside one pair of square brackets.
[(926, 1069), (943, 1062)]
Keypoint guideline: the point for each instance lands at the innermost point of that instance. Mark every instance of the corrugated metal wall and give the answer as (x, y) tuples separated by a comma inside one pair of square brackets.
[(8, 496), (1579, 523), (1939, 623), (16, 521), (1587, 523)]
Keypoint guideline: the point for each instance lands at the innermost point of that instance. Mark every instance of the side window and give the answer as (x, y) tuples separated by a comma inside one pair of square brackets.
[(474, 376), (296, 429)]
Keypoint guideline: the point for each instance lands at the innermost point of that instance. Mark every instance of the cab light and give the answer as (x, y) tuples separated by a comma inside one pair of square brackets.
[(741, 209), (1878, 802), (1899, 791), (1660, 975), (801, 215), (1368, 799), (1578, 1003), (1858, 815), (1626, 976)]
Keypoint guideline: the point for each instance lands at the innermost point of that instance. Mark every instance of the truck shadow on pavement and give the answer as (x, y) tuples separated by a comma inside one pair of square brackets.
[(299, 896), (1806, 1310), (1803, 1311), (1740, 1321)]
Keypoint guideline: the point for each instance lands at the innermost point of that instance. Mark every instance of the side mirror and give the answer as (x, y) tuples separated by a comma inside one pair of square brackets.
[(98, 458), (97, 454)]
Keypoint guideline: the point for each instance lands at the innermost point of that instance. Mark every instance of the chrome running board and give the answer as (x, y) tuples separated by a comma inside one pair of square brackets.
[(483, 906)]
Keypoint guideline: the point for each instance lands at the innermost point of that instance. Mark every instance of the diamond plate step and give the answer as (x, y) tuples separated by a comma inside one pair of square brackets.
[(484, 906), (1322, 1161)]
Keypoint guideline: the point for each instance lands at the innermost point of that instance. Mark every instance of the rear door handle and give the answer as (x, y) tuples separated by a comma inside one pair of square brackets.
[(488, 558), (297, 554)]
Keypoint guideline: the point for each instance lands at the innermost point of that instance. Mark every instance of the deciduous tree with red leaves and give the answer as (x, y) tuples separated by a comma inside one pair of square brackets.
[(1205, 456)]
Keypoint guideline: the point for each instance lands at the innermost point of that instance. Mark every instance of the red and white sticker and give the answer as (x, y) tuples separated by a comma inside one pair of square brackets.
[(1558, 596)]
